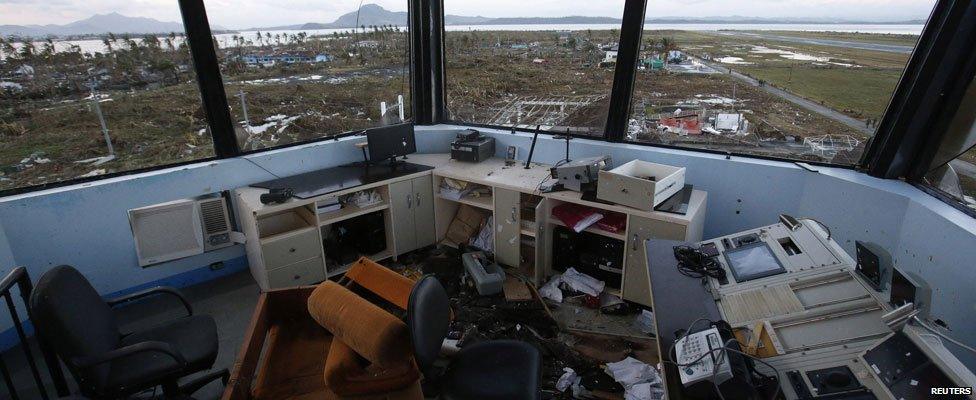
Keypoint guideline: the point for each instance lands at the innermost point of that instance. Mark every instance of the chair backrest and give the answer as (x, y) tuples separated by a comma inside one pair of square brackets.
[(73, 318), (428, 318)]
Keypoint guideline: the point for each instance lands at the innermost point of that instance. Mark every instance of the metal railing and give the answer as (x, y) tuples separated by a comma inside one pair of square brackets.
[(20, 278)]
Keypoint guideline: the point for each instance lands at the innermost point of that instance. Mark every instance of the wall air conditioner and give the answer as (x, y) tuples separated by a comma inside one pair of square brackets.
[(180, 228)]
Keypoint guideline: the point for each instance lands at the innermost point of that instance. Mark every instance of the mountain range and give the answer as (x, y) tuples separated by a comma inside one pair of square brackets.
[(372, 14), (94, 25)]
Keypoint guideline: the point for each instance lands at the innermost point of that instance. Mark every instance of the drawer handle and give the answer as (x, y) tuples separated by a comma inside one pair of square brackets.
[(409, 201), (297, 277), (291, 250), (633, 243), (418, 199)]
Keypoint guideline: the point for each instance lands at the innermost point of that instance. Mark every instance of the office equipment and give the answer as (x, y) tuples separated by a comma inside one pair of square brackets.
[(277, 196), (106, 363), (390, 142), (753, 261), (640, 184), (273, 230), (493, 369), (592, 254), (699, 359), (330, 180), (911, 364), (471, 146), (580, 175), (873, 263), (179, 228), (486, 277), (907, 287)]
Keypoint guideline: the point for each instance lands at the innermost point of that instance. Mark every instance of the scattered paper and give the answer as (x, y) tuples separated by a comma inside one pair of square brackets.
[(568, 379), (640, 381), (581, 282), (645, 322), (551, 289)]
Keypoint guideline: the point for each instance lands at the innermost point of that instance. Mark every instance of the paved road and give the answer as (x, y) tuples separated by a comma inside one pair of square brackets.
[(890, 48), (812, 106)]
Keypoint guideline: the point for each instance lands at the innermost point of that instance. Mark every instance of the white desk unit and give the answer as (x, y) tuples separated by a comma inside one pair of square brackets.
[(284, 241)]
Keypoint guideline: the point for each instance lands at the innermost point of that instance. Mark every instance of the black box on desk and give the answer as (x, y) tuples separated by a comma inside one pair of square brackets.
[(471, 146)]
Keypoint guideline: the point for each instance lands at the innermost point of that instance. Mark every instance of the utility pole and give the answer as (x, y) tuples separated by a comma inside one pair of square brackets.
[(101, 120), (247, 121)]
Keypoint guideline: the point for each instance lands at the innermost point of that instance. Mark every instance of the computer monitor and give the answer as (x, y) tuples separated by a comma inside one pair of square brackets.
[(389, 142), (753, 261)]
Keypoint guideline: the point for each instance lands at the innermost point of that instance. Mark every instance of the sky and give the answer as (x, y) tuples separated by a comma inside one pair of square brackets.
[(238, 14)]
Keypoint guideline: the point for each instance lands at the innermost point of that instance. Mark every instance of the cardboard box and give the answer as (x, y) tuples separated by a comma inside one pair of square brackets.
[(640, 184), (466, 224)]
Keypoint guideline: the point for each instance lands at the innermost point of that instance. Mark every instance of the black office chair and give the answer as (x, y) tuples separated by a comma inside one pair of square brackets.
[(81, 327), (492, 370)]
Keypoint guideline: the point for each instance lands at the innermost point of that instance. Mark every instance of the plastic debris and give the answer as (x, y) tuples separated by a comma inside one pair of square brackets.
[(640, 381), (568, 379), (551, 289), (645, 322), (581, 282)]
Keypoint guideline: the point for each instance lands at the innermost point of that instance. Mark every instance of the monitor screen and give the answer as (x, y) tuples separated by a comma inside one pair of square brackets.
[(903, 290), (753, 261), (390, 141)]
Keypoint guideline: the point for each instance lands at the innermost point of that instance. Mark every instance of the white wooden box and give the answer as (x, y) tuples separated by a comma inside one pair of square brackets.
[(640, 184)]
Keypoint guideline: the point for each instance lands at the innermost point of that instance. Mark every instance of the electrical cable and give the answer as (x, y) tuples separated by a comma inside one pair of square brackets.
[(259, 166), (822, 225), (692, 262), (942, 335), (725, 348)]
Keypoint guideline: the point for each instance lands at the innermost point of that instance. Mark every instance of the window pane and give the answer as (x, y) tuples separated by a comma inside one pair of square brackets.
[(515, 63), (298, 72), (794, 79), (88, 89), (953, 169)]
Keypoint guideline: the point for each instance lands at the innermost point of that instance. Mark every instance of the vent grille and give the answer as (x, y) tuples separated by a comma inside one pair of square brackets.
[(214, 216)]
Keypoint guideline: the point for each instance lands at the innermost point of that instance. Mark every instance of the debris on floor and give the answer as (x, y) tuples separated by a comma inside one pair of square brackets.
[(640, 380), (575, 337)]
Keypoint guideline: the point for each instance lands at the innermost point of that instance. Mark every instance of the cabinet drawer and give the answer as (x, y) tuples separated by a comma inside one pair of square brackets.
[(289, 249), (298, 274)]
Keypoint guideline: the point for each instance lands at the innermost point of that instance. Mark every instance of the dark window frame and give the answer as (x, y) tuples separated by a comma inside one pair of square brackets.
[(441, 73), (214, 100)]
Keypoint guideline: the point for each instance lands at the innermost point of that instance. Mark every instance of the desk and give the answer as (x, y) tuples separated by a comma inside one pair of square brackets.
[(680, 301), (417, 215)]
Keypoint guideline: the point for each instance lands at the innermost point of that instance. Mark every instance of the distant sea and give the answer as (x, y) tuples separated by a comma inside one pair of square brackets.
[(226, 39)]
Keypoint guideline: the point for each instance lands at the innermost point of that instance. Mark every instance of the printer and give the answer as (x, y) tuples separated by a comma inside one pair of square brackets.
[(471, 146)]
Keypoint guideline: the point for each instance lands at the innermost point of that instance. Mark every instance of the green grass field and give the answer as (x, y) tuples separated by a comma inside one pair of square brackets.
[(860, 92)]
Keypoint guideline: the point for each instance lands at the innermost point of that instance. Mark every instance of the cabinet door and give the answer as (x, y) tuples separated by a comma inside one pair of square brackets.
[(402, 207), (543, 242), (507, 227), (423, 205), (637, 283)]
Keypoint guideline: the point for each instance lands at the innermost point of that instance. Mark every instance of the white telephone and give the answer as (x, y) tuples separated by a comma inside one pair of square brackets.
[(696, 345)]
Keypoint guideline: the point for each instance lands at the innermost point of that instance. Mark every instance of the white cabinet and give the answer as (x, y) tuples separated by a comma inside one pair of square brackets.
[(412, 204), (636, 281), (543, 242), (508, 227)]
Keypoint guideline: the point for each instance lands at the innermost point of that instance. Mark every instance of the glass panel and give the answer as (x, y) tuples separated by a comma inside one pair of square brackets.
[(299, 72), (528, 64), (92, 89), (796, 79), (953, 169)]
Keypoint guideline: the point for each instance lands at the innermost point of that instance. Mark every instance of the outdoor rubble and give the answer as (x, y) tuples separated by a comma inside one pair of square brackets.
[(576, 364)]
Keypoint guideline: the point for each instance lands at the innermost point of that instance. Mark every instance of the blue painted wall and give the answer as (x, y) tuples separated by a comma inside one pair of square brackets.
[(87, 225)]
